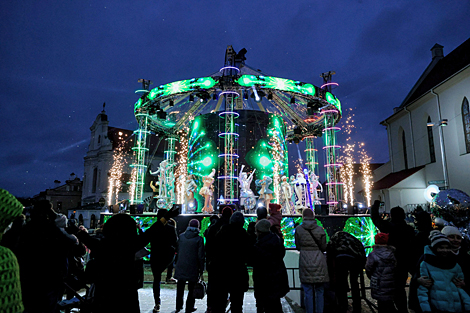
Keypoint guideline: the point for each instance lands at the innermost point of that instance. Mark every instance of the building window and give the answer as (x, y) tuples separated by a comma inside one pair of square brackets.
[(93, 221), (95, 178), (466, 123), (432, 153), (405, 156)]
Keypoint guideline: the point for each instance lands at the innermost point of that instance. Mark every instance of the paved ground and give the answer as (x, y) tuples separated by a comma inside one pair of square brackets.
[(168, 298)]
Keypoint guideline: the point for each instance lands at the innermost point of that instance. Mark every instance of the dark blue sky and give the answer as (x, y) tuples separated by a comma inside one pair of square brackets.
[(60, 60)]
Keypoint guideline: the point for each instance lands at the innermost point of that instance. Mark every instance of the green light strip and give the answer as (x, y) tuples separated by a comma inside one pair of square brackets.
[(277, 83)]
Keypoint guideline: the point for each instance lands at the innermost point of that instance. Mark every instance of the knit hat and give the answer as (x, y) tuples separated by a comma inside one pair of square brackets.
[(263, 226), (227, 212), (381, 239), (451, 230), (307, 214), (194, 223), (237, 218), (261, 213), (274, 207), (10, 208), (437, 238)]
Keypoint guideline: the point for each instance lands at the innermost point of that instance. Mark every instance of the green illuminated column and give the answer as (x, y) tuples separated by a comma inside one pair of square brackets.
[(169, 155), (140, 150), (229, 144), (332, 171)]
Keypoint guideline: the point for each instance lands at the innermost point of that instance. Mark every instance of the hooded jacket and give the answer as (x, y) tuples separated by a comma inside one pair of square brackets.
[(443, 296), (312, 261), (380, 268), (190, 263)]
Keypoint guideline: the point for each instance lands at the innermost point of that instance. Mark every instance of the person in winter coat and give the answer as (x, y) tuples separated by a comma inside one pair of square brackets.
[(190, 264), (442, 268), (114, 269), (261, 213), (269, 271), (42, 278), (461, 256), (162, 254), (232, 248), (380, 268), (310, 240), (346, 258), (210, 250), (10, 286), (400, 237)]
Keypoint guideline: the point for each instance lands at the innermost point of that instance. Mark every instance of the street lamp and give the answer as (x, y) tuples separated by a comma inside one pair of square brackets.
[(441, 124)]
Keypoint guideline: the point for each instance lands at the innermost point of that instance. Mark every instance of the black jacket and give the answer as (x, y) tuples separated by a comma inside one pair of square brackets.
[(229, 263), (269, 271)]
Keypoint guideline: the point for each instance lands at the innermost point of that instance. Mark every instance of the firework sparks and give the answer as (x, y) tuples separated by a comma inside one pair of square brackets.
[(115, 174), (181, 171), (366, 175)]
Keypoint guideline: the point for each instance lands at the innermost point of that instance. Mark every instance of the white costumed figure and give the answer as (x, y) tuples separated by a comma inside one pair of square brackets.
[(266, 193), (162, 178), (314, 183), (206, 192), (190, 188), (245, 182), (300, 192), (286, 196)]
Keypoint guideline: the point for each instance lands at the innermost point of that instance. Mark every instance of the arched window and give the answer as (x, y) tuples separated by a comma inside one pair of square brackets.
[(432, 153), (405, 156), (93, 221), (95, 178), (466, 123)]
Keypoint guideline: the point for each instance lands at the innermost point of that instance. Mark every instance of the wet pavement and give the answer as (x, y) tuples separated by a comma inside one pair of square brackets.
[(168, 298)]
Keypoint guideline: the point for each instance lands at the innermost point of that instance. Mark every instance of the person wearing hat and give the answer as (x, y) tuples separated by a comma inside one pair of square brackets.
[(463, 258), (211, 249), (310, 240), (400, 236), (190, 264), (380, 268), (162, 254), (232, 243), (439, 265), (10, 286), (269, 271)]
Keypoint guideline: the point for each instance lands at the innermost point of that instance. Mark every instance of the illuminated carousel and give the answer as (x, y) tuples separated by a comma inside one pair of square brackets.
[(226, 137)]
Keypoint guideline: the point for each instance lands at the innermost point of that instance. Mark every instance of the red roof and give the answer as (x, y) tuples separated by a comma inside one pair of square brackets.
[(394, 178)]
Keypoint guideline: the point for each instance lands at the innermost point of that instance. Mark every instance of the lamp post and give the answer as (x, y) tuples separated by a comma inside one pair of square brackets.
[(441, 124)]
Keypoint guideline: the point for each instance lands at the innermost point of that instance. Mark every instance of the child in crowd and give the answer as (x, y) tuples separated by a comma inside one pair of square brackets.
[(380, 268), (438, 265)]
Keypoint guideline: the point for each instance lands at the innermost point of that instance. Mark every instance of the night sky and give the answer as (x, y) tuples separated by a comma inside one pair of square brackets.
[(60, 60)]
